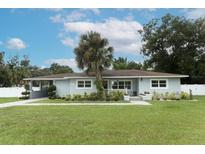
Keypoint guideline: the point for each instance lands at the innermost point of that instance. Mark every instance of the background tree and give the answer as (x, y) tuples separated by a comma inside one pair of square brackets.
[(16, 69), (5, 75), (94, 54), (2, 58), (37, 71), (176, 45), (13, 64), (24, 68), (57, 69), (122, 64)]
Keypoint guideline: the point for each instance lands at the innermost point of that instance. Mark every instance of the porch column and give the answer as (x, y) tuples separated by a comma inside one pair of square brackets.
[(30, 88), (40, 86), (30, 85)]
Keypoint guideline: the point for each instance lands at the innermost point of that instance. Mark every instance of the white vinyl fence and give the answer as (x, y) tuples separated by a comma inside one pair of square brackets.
[(197, 89), (14, 91), (11, 91)]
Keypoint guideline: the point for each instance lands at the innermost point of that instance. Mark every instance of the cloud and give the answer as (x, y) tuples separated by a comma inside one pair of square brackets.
[(54, 9), (94, 10), (194, 13), (15, 43), (122, 35), (73, 16), (57, 18), (129, 17), (64, 62), (68, 42)]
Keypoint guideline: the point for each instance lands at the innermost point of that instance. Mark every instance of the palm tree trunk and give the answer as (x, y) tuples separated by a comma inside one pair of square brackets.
[(99, 84)]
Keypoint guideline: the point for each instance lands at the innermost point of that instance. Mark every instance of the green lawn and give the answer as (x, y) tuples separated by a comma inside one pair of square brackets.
[(179, 122), (8, 99)]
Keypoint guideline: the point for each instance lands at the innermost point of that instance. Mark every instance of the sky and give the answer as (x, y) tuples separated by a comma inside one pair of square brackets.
[(50, 35)]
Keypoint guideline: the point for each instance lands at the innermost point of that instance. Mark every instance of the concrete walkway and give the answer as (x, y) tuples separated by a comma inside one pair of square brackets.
[(29, 102), (18, 103), (76, 104), (140, 103)]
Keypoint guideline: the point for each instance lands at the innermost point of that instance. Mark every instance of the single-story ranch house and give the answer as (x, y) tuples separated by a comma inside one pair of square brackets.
[(132, 82)]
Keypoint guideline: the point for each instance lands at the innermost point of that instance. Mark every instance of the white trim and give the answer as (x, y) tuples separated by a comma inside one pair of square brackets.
[(179, 76), (84, 84), (167, 85)]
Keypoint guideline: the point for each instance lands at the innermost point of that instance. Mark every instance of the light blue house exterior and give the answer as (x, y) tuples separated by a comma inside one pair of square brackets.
[(131, 82)]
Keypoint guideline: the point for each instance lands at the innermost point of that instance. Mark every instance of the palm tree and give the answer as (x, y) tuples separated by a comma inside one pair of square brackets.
[(94, 55)]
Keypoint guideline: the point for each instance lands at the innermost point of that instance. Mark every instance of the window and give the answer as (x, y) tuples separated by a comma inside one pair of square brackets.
[(87, 84), (162, 83), (114, 85), (158, 83), (154, 83), (128, 84), (121, 84), (84, 84), (80, 84)]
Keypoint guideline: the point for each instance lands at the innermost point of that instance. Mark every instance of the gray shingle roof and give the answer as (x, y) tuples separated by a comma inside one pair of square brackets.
[(110, 73)]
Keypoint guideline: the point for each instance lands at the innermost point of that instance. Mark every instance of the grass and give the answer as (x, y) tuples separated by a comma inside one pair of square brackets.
[(177, 122), (8, 99), (64, 101)]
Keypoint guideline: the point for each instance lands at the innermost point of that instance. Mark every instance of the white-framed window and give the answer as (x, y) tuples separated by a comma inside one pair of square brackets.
[(158, 83), (84, 84), (122, 84)]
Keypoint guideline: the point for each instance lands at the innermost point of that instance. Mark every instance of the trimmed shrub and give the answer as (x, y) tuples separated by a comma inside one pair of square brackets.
[(112, 96), (172, 96), (115, 96), (156, 96), (77, 97), (184, 95), (68, 97), (52, 88), (52, 92), (93, 96), (86, 96), (25, 93)]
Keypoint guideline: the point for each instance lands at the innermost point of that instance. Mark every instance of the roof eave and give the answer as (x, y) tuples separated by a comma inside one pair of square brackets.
[(107, 77)]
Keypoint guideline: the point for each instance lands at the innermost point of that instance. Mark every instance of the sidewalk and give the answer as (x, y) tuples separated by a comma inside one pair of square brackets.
[(10, 104), (29, 102), (98, 104)]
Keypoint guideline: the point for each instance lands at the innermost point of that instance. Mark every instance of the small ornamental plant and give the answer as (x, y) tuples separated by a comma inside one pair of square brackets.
[(26, 93), (52, 92)]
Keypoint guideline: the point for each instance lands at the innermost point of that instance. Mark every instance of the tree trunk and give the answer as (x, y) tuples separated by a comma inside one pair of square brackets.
[(99, 84)]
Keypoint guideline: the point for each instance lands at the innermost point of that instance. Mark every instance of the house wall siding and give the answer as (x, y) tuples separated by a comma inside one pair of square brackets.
[(65, 87), (174, 85), (62, 87), (75, 90)]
